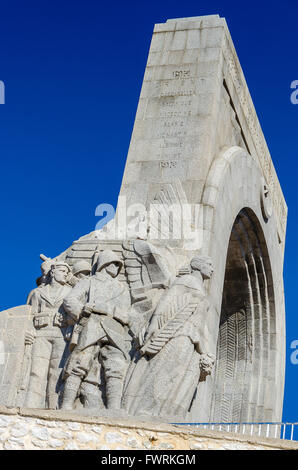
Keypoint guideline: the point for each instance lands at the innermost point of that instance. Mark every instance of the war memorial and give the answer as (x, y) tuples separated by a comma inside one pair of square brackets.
[(178, 317)]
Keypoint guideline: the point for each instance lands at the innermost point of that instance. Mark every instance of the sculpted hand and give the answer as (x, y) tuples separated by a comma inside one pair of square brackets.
[(149, 332), (145, 334), (206, 364), (88, 309), (142, 336), (29, 337)]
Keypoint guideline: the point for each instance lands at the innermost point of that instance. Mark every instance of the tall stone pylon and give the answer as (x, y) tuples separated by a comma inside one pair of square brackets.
[(196, 123), (197, 143)]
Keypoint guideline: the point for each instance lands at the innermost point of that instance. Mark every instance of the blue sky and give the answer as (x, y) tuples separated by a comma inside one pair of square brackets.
[(73, 73)]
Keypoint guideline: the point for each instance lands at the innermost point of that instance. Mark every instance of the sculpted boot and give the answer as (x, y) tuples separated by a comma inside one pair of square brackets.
[(114, 387), (70, 392), (91, 396)]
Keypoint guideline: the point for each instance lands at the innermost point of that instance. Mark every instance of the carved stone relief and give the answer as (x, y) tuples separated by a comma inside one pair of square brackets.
[(96, 343)]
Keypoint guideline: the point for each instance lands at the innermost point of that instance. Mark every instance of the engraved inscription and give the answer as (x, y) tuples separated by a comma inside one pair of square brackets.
[(181, 73), (171, 114), (171, 133), (169, 164), (167, 144), (172, 107), (183, 87), (172, 101), (174, 124)]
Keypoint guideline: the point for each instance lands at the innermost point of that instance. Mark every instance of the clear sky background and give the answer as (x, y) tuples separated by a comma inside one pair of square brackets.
[(73, 72)]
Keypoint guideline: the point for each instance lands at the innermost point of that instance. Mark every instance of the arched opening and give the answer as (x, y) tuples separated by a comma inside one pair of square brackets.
[(245, 372)]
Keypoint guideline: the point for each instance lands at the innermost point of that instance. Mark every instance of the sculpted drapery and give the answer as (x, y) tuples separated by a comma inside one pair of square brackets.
[(163, 378)]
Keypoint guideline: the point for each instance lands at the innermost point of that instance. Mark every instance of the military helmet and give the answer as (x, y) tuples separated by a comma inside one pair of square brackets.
[(80, 267), (56, 263), (107, 257)]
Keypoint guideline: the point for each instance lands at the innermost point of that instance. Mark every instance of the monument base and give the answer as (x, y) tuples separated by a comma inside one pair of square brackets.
[(26, 429)]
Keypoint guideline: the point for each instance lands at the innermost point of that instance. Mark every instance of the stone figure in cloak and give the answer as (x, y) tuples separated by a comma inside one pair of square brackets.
[(99, 359), (163, 378), (47, 337)]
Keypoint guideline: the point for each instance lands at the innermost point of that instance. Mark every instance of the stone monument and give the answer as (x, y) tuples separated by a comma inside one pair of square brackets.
[(177, 322)]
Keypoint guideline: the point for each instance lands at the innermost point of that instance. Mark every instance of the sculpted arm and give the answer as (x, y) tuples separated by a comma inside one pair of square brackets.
[(75, 301), (148, 331), (122, 309), (118, 308), (153, 325), (33, 302), (157, 319)]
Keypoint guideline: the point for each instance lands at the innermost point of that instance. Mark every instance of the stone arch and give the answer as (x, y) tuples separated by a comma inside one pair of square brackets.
[(246, 326)]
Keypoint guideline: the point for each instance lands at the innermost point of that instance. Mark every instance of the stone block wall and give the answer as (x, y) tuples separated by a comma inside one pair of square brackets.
[(13, 324), (23, 429)]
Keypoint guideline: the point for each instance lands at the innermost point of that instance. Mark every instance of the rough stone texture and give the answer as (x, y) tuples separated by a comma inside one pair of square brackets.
[(82, 433)]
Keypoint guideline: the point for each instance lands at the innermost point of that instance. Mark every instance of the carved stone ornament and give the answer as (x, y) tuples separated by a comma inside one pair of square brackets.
[(266, 202)]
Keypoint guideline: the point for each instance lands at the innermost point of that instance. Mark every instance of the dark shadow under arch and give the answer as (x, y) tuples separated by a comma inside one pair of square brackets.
[(245, 372)]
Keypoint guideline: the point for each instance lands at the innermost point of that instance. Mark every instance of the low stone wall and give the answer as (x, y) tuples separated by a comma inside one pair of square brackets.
[(13, 324), (39, 429)]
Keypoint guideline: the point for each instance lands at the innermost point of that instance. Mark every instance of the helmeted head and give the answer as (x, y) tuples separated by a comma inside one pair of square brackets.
[(59, 271), (109, 261), (203, 264), (81, 269)]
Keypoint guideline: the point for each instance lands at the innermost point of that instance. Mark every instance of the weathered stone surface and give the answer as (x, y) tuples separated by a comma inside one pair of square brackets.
[(113, 437), (71, 446), (19, 430), (97, 429), (40, 433), (73, 426), (60, 434), (84, 437), (55, 443), (36, 443), (162, 437), (132, 442)]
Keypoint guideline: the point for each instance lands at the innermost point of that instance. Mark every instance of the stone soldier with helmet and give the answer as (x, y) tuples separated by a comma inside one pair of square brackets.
[(101, 305), (81, 269)]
